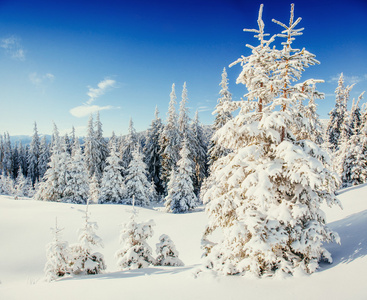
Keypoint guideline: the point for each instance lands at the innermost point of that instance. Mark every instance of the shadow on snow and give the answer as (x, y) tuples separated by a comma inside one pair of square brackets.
[(132, 273), (353, 238)]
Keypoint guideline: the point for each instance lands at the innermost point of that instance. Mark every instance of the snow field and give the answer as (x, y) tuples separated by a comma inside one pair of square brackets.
[(25, 231)]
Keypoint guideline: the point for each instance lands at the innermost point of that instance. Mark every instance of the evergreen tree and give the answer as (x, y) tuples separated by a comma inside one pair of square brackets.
[(33, 156), (84, 261), (267, 192), (23, 154), (351, 158), (94, 190), (222, 116), (152, 152), (170, 141), (199, 153), (135, 253), (15, 162), (112, 188), (58, 255), (136, 182), (127, 147), (181, 197), (338, 115), (183, 116), (90, 149), (21, 186), (54, 181), (167, 253), (44, 157), (77, 186), (102, 148), (7, 156)]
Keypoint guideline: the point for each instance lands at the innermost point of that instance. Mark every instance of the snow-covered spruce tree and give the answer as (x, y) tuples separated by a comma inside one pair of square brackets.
[(152, 152), (351, 158), (356, 116), (136, 182), (127, 146), (7, 156), (266, 194), (112, 188), (33, 156), (44, 157), (199, 155), (337, 115), (53, 184), (77, 186), (222, 116), (90, 149), (21, 184), (101, 148), (23, 154), (181, 197), (167, 253), (84, 261), (94, 190), (58, 256), (135, 253), (170, 141), (183, 115)]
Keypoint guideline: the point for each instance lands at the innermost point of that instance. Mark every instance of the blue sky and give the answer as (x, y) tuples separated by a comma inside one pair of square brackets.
[(123, 56)]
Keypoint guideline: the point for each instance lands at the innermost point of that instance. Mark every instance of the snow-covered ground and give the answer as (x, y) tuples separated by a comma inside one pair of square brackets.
[(25, 231)]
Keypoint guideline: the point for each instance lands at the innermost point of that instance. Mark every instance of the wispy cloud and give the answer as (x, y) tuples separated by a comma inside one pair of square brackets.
[(13, 47), (204, 108), (93, 93), (37, 80), (86, 110), (103, 86), (348, 79)]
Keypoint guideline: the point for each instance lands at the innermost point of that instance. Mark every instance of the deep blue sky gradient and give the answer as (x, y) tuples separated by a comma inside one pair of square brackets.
[(145, 46)]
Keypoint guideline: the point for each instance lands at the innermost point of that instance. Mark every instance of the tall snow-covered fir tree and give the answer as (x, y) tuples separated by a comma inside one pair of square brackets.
[(338, 115), (112, 188), (44, 157), (199, 153), (222, 116), (90, 149), (101, 148), (33, 156), (58, 256), (136, 182), (54, 182), (84, 261), (351, 157), (135, 253), (266, 193), (127, 146), (7, 156), (77, 186), (152, 152), (181, 197), (170, 141)]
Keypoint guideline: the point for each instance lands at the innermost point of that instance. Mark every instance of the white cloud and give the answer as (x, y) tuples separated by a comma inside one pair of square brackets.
[(39, 79), (204, 108), (13, 47), (85, 110), (97, 92), (348, 79)]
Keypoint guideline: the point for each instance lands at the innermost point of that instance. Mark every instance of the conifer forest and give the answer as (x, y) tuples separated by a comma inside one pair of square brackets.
[(246, 197)]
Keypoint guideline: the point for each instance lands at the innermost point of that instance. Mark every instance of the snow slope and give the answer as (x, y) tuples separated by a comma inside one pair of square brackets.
[(25, 231)]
